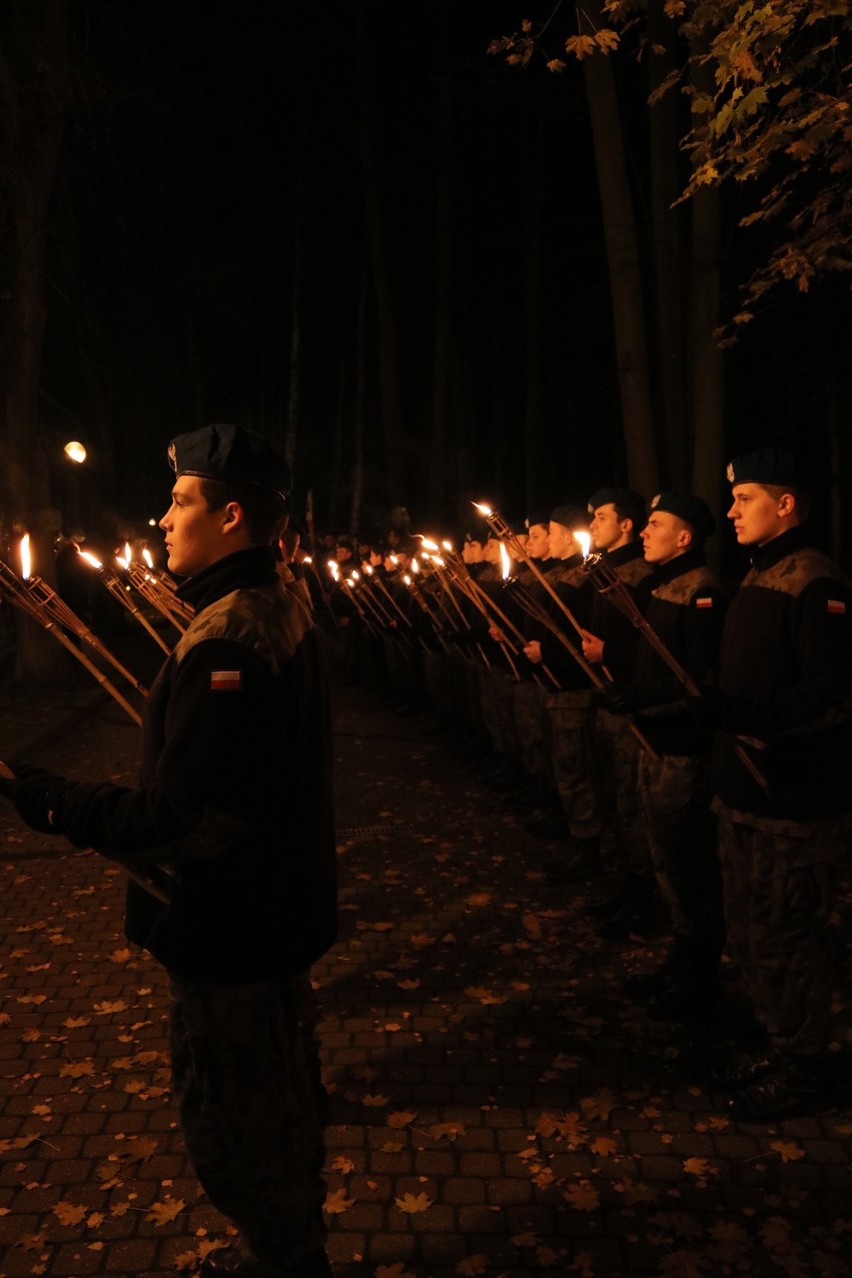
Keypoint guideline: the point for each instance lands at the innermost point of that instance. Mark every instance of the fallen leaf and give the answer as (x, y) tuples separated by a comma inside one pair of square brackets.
[(374, 1102), (696, 1166), (412, 1203), (470, 1266), (337, 1202), (524, 1240), (396, 1270), (69, 1213), (603, 1146), (78, 1069), (790, 1152), (582, 1197), (342, 1165), (402, 1117), (600, 1105), (106, 1009), (163, 1212)]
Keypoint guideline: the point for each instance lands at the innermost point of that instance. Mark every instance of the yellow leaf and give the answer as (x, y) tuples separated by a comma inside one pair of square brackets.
[(606, 39), (582, 1197), (408, 985), (78, 1069), (603, 1146), (342, 1165), (696, 1166), (120, 956), (163, 1212), (374, 1102), (472, 1265), (69, 1213), (413, 1203), (450, 1130), (580, 45), (401, 1117), (396, 1270), (106, 1009), (789, 1151), (556, 65), (420, 940), (337, 1202), (140, 1149), (96, 1219), (30, 1036), (600, 1105)]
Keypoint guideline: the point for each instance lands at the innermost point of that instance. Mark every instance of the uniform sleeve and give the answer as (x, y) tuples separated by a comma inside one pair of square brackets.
[(212, 769), (703, 621), (820, 693)]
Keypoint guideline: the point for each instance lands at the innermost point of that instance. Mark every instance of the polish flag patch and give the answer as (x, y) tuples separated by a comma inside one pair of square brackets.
[(226, 680), (837, 606), (704, 603)]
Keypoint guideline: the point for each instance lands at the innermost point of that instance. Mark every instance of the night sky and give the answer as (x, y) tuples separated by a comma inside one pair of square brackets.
[(214, 144)]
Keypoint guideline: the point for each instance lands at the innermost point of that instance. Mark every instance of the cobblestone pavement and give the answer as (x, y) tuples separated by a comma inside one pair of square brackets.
[(498, 1106)]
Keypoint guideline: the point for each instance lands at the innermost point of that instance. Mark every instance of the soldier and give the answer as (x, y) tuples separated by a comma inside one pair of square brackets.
[(782, 763), (571, 708), (618, 514), (230, 838), (686, 608)]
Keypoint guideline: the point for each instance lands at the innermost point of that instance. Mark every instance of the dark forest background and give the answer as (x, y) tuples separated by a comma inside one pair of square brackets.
[(352, 229)]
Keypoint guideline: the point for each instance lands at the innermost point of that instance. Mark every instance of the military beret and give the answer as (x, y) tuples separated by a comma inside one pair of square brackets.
[(692, 510), (225, 452), (346, 540), (616, 497), (474, 535), (771, 465), (519, 527), (538, 517), (569, 516)]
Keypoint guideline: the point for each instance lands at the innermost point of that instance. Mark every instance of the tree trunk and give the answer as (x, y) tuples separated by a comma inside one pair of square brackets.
[(533, 433), (668, 252), (443, 284), (381, 270), (625, 277), (34, 90)]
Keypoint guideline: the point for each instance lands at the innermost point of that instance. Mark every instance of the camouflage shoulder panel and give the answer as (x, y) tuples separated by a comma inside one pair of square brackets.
[(633, 571), (270, 620), (795, 571), (682, 590), (574, 576)]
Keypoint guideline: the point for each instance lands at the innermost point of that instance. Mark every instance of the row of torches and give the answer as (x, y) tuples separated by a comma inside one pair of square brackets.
[(374, 603)]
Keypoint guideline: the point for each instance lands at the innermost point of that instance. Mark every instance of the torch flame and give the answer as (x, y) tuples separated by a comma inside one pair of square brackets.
[(505, 562), (448, 545), (332, 564), (307, 560), (122, 562), (356, 576), (26, 558), (584, 541), (415, 567), (148, 557), (406, 579), (368, 569), (428, 543), (90, 558), (483, 509)]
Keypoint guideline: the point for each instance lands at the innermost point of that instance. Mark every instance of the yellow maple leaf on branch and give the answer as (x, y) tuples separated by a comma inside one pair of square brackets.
[(582, 46)]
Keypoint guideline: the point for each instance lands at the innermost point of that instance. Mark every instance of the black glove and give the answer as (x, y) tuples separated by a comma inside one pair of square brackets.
[(37, 795), (614, 698)]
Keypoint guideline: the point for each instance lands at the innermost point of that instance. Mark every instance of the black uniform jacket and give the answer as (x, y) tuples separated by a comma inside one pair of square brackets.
[(235, 795), (685, 607), (786, 685)]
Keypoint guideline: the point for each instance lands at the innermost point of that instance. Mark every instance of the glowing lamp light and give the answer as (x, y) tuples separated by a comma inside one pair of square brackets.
[(75, 451), (90, 559), (26, 557), (584, 541), (505, 562), (152, 523)]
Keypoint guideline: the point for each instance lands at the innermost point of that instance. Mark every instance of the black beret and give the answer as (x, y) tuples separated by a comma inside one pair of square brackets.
[(771, 465), (346, 540), (474, 535), (226, 452), (519, 527), (616, 497), (692, 510), (538, 517), (569, 516)]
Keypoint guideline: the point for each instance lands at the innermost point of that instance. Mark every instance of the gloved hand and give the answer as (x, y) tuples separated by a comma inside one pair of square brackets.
[(37, 794), (614, 698)]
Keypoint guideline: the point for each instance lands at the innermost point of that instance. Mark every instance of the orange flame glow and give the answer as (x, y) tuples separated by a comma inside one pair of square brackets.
[(26, 557)]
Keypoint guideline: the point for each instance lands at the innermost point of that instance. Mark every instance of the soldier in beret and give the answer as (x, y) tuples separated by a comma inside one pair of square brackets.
[(685, 606), (230, 840), (617, 517), (782, 762)]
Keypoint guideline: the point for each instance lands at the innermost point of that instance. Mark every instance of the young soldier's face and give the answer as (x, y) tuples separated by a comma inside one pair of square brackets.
[(491, 551), (194, 535), (756, 515), (608, 531), (664, 537), (538, 542), (562, 543)]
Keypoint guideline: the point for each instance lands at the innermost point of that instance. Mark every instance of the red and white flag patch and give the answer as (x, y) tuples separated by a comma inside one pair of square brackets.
[(226, 680), (837, 606), (704, 603)]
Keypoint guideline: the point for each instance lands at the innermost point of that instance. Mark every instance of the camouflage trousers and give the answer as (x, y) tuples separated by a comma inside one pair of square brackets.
[(532, 723), (574, 762), (675, 795), (246, 1077), (624, 841), (496, 700), (778, 891)]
